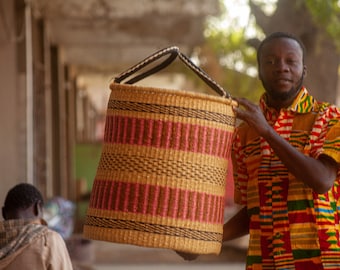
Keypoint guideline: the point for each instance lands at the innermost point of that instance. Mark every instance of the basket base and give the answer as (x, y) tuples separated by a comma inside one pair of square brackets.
[(152, 240)]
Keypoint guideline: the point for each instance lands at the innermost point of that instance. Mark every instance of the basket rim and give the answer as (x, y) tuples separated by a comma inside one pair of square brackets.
[(178, 92)]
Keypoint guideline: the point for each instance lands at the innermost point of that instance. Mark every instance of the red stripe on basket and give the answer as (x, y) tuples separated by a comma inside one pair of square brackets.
[(196, 130), (124, 130), (165, 202), (105, 190), (109, 202), (168, 135), (184, 135), (200, 207), (193, 205), (149, 132), (224, 136), (126, 198), (218, 142), (173, 203), (157, 201), (135, 197), (209, 205), (177, 136), (202, 139), (93, 192), (140, 125), (132, 131), (118, 133), (211, 142), (185, 204), (158, 138), (144, 203), (117, 198)]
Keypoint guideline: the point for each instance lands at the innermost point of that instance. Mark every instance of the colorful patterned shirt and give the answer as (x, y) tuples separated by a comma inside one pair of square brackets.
[(291, 226)]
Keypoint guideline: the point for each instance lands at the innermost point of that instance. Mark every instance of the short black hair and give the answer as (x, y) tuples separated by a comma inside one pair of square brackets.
[(22, 196), (276, 35)]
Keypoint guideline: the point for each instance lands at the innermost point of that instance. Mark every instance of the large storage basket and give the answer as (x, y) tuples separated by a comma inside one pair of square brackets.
[(161, 177)]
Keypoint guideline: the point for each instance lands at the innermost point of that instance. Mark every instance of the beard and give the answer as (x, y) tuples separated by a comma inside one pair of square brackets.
[(284, 96)]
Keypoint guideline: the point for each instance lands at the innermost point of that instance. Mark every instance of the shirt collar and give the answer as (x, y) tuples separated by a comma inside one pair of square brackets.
[(303, 103)]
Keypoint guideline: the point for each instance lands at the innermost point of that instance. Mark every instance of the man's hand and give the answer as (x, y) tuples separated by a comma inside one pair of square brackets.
[(252, 114)]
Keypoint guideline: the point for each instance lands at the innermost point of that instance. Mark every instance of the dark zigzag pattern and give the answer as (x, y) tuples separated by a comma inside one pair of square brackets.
[(171, 110), (144, 227)]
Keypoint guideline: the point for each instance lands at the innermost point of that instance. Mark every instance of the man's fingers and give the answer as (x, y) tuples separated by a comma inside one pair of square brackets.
[(244, 102)]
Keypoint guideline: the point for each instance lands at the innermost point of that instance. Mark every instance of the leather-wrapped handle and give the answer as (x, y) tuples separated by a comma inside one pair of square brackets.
[(173, 52)]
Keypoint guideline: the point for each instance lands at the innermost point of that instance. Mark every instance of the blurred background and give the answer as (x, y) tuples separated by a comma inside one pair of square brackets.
[(58, 57)]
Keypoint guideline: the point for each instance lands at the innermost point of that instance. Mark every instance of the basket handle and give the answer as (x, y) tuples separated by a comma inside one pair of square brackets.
[(174, 52)]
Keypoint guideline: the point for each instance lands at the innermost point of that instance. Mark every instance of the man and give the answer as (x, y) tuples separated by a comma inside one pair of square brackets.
[(25, 240), (286, 158)]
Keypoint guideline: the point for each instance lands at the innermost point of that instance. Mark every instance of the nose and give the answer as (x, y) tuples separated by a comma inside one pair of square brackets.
[(281, 65)]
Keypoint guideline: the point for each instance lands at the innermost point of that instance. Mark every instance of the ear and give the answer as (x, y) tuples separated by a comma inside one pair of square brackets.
[(3, 212), (259, 73), (304, 71), (37, 209), (260, 77)]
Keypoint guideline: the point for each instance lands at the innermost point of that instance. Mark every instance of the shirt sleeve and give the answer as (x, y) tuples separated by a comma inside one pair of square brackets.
[(331, 145), (327, 135)]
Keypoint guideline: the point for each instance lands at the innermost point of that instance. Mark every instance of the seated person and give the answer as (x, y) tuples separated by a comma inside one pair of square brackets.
[(25, 240)]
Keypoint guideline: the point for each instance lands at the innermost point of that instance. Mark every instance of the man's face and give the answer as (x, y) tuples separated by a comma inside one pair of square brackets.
[(281, 69)]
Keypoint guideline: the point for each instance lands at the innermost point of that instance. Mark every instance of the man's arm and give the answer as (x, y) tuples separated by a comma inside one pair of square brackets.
[(236, 226), (319, 174)]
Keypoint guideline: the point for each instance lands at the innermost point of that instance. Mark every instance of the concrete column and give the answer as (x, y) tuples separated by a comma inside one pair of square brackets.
[(12, 148)]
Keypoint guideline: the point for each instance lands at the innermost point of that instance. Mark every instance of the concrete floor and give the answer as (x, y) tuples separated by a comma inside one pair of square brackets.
[(234, 266), (99, 255)]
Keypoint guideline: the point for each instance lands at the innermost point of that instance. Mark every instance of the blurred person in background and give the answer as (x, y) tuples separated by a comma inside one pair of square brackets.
[(25, 240)]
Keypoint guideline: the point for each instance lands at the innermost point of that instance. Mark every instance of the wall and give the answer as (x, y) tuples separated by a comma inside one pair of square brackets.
[(11, 166)]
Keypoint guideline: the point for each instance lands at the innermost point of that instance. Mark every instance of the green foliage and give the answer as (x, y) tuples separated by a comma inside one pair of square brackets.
[(240, 85), (327, 13), (235, 57), (233, 44)]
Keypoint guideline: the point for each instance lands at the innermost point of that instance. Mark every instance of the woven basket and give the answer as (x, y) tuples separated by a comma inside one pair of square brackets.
[(161, 177)]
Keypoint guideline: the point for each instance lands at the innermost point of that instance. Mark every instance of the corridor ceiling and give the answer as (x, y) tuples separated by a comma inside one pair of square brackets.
[(106, 35)]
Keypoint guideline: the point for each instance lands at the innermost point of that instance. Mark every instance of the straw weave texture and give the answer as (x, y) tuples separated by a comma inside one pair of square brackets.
[(161, 177)]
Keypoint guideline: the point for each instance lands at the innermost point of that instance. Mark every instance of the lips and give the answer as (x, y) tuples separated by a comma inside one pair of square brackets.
[(283, 80)]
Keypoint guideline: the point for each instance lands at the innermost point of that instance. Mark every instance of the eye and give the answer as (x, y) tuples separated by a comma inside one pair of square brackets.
[(291, 61), (270, 61)]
